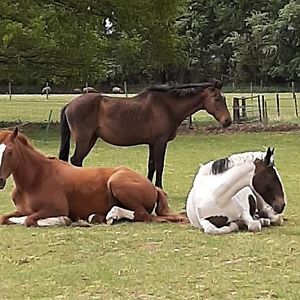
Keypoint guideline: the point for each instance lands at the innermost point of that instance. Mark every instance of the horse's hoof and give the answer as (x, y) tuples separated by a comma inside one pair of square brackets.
[(278, 221), (30, 222), (254, 226), (111, 221), (4, 220)]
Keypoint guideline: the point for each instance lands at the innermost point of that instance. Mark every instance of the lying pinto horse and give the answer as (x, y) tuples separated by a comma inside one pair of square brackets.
[(229, 192), (48, 187)]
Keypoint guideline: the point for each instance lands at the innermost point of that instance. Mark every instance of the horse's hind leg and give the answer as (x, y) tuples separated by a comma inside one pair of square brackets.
[(159, 158), (84, 145), (138, 197), (210, 228), (151, 164), (116, 213)]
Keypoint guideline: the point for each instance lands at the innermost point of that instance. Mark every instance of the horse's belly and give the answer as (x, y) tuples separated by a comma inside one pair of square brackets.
[(119, 138), (203, 206), (81, 206)]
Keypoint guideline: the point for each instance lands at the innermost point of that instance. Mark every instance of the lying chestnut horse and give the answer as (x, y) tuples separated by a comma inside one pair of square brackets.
[(46, 187)]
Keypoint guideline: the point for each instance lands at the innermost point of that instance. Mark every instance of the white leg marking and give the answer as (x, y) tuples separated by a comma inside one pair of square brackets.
[(209, 228), (117, 213), (53, 221), (264, 222), (90, 217), (17, 220)]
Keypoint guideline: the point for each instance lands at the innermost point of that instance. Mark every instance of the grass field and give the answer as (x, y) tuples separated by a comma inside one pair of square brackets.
[(159, 261)]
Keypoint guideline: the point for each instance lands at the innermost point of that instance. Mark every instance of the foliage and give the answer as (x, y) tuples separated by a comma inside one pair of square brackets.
[(143, 41)]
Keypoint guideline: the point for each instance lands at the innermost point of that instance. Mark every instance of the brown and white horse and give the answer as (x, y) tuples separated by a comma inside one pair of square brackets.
[(230, 192), (47, 187)]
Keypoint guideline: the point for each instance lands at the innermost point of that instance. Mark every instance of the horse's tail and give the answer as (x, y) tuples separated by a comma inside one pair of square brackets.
[(163, 210), (65, 135)]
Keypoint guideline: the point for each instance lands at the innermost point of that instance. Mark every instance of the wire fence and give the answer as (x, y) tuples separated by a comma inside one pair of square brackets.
[(267, 107)]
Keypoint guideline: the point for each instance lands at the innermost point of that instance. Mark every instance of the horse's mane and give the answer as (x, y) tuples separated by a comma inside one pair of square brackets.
[(21, 138), (222, 165), (181, 91)]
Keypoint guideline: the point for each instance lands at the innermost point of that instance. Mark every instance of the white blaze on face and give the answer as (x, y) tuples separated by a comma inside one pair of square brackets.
[(2, 149)]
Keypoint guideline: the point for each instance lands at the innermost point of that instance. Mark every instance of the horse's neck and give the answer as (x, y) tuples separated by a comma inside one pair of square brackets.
[(182, 108), (235, 179), (28, 169)]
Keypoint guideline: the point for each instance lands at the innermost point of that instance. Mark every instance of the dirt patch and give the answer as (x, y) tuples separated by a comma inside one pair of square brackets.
[(195, 129), (252, 127)]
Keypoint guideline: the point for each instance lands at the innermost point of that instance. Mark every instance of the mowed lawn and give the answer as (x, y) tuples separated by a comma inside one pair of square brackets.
[(159, 261)]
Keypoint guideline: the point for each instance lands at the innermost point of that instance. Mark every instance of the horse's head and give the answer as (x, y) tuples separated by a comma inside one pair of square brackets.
[(215, 104), (8, 157), (266, 182)]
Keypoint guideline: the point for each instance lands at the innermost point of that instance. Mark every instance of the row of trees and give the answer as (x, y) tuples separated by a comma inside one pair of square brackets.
[(75, 41)]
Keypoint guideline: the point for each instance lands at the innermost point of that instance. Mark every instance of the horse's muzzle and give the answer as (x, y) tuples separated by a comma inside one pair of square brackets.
[(2, 183), (278, 208), (226, 122)]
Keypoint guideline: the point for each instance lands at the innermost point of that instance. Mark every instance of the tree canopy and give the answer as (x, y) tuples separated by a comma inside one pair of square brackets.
[(72, 41)]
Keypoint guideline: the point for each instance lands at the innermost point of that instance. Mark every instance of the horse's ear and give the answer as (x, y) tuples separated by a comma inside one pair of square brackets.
[(14, 134), (217, 84), (267, 159)]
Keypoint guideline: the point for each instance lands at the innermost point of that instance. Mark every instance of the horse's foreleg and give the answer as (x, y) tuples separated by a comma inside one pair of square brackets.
[(159, 158), (151, 164), (4, 219), (275, 219), (209, 228), (48, 213), (252, 225), (83, 147)]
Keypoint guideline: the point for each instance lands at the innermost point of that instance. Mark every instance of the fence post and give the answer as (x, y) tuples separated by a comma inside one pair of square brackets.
[(259, 107), (266, 112), (296, 104), (244, 114), (125, 89), (9, 90), (236, 110), (278, 105), (47, 90)]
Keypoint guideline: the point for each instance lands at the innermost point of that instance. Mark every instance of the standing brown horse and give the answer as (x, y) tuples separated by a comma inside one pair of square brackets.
[(152, 117), (47, 187)]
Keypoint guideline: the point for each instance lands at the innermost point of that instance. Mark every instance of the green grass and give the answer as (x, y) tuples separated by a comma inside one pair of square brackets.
[(159, 261)]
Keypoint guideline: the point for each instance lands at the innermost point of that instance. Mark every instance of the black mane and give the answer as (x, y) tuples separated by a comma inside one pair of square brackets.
[(220, 166), (180, 90)]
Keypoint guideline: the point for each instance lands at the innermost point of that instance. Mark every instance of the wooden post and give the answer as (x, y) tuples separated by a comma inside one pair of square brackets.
[(47, 90), (259, 108), (263, 106), (278, 105), (251, 89), (296, 104), (9, 90), (236, 110), (266, 112), (244, 113), (125, 89)]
